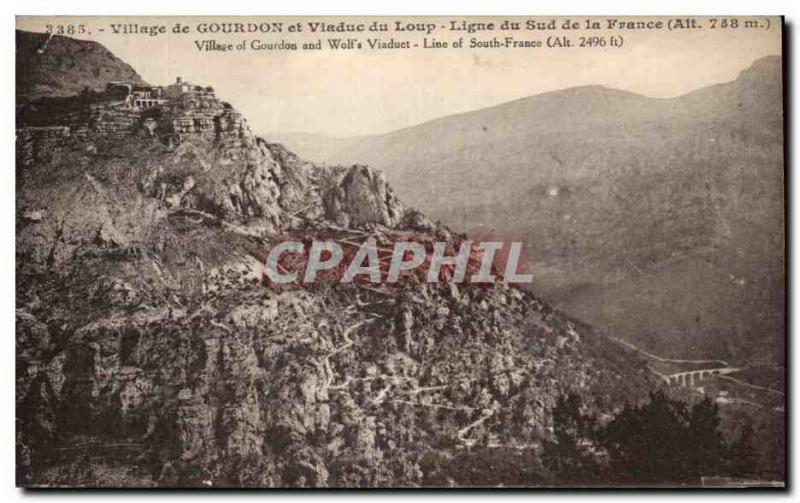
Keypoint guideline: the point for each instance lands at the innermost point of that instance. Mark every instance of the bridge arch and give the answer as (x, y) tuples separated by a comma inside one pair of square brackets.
[(689, 377)]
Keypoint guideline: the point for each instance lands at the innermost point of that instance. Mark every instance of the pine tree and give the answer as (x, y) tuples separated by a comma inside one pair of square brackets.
[(568, 456)]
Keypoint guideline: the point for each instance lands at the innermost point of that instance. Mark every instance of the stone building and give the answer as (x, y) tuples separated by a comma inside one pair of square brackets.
[(178, 88), (142, 98), (136, 97)]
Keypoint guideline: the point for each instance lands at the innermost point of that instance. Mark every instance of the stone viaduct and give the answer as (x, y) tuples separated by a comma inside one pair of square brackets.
[(689, 377)]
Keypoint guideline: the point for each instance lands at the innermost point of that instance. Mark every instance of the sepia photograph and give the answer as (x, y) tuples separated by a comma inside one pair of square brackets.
[(361, 252)]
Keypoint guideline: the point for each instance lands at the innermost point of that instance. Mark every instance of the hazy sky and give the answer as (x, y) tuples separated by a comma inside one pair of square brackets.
[(348, 93)]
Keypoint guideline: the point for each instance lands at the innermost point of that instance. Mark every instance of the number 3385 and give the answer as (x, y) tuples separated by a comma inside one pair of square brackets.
[(66, 29)]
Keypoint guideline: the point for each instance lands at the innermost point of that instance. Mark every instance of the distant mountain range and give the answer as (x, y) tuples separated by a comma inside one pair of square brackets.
[(659, 219)]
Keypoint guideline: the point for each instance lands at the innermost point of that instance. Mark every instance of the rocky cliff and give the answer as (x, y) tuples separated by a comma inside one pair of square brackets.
[(624, 202), (151, 353)]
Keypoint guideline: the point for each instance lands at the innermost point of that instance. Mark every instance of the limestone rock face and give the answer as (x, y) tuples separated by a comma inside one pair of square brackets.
[(152, 353), (363, 197)]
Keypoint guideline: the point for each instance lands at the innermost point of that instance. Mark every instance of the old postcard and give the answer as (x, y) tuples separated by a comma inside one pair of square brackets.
[(355, 252)]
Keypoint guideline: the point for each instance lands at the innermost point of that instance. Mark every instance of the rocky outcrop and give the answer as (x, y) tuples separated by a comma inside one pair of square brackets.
[(34, 144), (290, 389), (150, 351), (363, 197)]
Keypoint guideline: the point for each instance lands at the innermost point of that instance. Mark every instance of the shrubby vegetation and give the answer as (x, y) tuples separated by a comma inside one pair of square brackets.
[(659, 441)]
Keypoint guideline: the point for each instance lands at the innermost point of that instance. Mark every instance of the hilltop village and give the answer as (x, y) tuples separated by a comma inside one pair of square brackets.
[(123, 109), (144, 97)]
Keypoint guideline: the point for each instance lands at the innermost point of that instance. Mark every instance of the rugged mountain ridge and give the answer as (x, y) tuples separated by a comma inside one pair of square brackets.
[(62, 66), (56, 65), (151, 353), (626, 204)]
